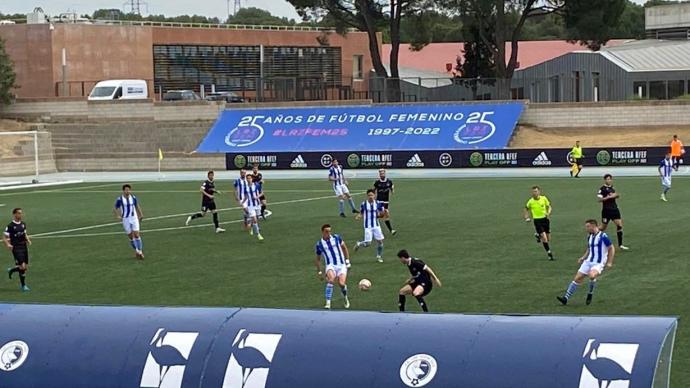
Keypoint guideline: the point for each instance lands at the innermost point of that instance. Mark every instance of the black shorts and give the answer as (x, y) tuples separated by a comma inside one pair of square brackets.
[(578, 161), (608, 215), (21, 255), (208, 206), (676, 160), (542, 225), (384, 203), (262, 197), (427, 286)]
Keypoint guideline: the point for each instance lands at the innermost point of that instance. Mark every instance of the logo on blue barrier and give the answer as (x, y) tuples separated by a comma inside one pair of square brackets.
[(364, 128), (251, 358), (418, 370), (12, 355), (607, 364), (167, 359)]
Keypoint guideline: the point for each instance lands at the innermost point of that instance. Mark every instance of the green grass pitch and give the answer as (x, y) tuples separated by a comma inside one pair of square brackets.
[(469, 230)]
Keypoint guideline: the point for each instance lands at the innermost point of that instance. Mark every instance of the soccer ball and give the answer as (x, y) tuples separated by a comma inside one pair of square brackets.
[(364, 284)]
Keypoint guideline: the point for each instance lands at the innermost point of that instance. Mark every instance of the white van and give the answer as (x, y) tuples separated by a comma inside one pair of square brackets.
[(120, 89)]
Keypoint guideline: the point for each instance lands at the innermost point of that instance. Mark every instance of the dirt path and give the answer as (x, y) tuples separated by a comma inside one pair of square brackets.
[(532, 137)]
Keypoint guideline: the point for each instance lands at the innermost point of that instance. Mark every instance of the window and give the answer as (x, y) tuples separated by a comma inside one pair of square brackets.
[(657, 90), (554, 89), (576, 80), (640, 89), (676, 89), (596, 87), (517, 93), (358, 67)]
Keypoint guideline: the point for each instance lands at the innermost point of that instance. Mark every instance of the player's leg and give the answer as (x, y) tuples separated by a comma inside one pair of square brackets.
[(665, 187), (387, 220), (406, 290), (577, 280), (368, 236), (23, 268), (578, 163), (593, 275), (346, 192), (196, 215), (604, 222), (138, 243), (262, 198), (342, 282), (619, 233), (14, 269), (378, 235), (330, 277), (419, 293), (546, 238)]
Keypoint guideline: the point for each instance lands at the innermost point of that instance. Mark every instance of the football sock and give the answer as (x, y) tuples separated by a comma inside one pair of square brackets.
[(547, 248), (401, 302), (22, 277), (134, 246), (329, 291), (263, 210), (138, 244), (341, 206), (379, 249), (215, 220), (592, 286), (666, 189), (343, 290), (255, 227), (352, 203), (13, 270), (197, 215), (619, 234), (578, 171), (422, 303), (571, 290), (388, 225)]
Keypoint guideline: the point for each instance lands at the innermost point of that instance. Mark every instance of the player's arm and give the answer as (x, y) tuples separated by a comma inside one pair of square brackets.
[(549, 209), (660, 167), (331, 176), (6, 239), (28, 239), (581, 259), (611, 251), (317, 264), (346, 252), (525, 214), (140, 215), (358, 216), (204, 193), (433, 275), (116, 210)]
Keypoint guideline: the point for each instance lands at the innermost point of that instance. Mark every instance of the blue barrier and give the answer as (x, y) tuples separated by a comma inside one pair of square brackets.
[(73, 346), (364, 128)]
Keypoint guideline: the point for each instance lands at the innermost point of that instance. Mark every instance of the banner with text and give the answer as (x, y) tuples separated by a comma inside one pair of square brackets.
[(633, 156), (364, 128)]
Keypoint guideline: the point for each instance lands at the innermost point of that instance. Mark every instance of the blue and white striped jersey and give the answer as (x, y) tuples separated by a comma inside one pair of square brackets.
[(337, 173), (252, 195), (370, 211), (666, 167), (331, 250), (598, 244), (241, 188), (127, 206)]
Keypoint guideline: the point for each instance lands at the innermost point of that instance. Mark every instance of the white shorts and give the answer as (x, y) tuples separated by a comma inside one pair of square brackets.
[(587, 266), (341, 190), (131, 224), (252, 211), (338, 269), (666, 181), (375, 232)]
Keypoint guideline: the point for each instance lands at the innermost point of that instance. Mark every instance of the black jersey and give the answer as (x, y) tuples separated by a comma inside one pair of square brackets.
[(16, 232), (209, 188), (418, 272), (383, 189), (604, 191)]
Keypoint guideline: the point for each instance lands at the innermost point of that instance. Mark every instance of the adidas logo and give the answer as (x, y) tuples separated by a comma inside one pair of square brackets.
[(415, 161), (298, 162), (541, 160)]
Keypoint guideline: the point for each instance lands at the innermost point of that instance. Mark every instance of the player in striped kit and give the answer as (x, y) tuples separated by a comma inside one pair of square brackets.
[(371, 210), (599, 255), (665, 171), (252, 208), (127, 210), (336, 175), (240, 186), (333, 250)]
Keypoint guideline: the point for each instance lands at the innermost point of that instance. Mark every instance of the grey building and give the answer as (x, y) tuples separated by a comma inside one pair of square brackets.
[(670, 21), (654, 69)]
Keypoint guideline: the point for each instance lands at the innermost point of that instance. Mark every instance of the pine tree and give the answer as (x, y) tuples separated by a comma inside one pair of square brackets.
[(7, 75)]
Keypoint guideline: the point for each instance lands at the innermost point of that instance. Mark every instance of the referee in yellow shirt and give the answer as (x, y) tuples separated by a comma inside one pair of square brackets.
[(576, 160), (539, 209)]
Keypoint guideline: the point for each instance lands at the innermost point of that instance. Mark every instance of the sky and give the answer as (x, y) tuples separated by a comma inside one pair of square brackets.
[(218, 8)]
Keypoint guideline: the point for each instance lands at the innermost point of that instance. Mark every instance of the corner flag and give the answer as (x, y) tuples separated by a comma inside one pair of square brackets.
[(160, 154)]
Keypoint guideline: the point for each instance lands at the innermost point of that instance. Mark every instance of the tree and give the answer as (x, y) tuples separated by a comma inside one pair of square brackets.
[(586, 21), (7, 75), (372, 17), (256, 16)]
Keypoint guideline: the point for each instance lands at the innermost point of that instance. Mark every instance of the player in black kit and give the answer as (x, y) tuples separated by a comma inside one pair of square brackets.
[(208, 203), (384, 188), (258, 179), (420, 284), (609, 209), (16, 240)]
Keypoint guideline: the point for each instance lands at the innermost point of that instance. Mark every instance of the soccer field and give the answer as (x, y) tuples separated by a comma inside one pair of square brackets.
[(470, 231)]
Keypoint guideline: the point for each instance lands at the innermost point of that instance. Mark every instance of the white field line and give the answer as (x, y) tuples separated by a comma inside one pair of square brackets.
[(63, 190), (176, 191), (2, 204), (268, 214), (38, 185), (59, 232), (10, 183)]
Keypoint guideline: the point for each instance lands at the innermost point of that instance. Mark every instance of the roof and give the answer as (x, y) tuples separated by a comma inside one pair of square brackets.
[(650, 55), (436, 56)]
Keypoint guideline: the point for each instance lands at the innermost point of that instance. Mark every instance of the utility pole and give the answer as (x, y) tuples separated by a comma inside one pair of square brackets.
[(135, 6), (238, 6)]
